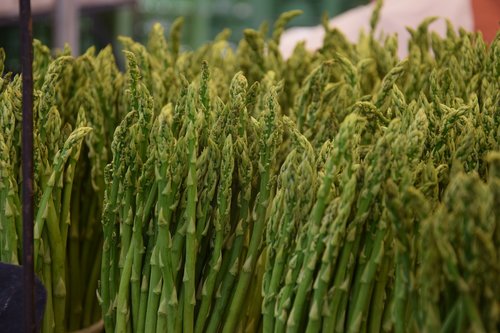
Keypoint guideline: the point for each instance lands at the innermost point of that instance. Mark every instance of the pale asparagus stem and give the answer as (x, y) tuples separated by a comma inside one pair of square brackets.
[(178, 241), (224, 193), (56, 197), (114, 269), (48, 319), (126, 214), (162, 319), (135, 288), (402, 279), (344, 280), (144, 198), (146, 272), (386, 316), (272, 275), (380, 297), (178, 315), (190, 220), (123, 299), (366, 247), (267, 151), (58, 268), (155, 286), (170, 295), (104, 292), (338, 306), (168, 183), (367, 279), (253, 303), (342, 314)]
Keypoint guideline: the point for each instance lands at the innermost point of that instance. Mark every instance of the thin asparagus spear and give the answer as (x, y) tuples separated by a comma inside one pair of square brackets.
[(113, 173), (190, 218)]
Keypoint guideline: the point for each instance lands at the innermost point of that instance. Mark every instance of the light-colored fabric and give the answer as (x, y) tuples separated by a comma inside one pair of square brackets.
[(395, 16)]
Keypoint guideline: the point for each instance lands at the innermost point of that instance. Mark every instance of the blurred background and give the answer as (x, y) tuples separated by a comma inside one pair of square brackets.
[(98, 22)]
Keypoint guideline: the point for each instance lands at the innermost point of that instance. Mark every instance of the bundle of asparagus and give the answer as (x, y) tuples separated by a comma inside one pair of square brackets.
[(330, 236), (183, 186), (74, 117)]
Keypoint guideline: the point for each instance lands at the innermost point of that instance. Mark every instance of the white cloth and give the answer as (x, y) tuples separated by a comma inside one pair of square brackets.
[(395, 16)]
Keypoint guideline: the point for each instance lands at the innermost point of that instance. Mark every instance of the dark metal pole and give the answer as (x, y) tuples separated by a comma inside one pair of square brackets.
[(27, 164)]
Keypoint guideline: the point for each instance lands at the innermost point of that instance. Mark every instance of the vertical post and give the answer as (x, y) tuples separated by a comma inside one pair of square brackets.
[(67, 25), (27, 163)]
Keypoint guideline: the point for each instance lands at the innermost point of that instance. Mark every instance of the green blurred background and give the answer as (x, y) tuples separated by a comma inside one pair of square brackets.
[(102, 21)]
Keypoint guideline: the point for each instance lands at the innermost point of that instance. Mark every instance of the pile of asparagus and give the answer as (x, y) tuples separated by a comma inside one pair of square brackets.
[(338, 190), (343, 190)]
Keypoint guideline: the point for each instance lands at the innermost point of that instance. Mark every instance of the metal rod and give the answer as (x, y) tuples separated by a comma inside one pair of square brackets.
[(27, 163)]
